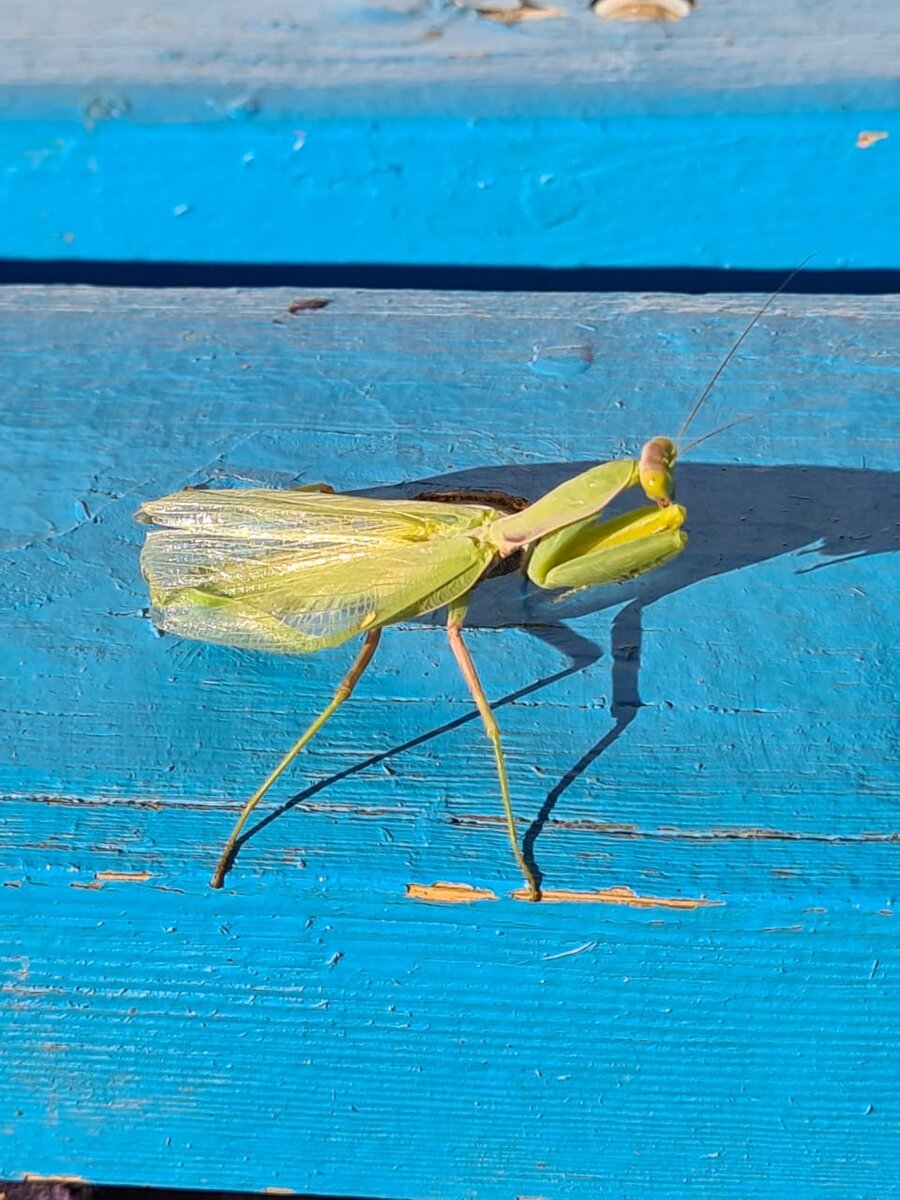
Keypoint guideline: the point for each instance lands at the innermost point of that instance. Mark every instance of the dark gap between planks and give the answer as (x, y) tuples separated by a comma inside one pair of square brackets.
[(679, 280), (63, 1189)]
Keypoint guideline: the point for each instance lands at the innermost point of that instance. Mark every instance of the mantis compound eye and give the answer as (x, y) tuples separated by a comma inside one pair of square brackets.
[(658, 485)]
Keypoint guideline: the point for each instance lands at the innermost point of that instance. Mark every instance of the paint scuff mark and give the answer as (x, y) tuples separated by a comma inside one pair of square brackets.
[(448, 893), (617, 895)]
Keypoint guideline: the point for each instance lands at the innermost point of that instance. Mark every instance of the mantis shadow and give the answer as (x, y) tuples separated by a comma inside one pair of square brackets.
[(737, 516)]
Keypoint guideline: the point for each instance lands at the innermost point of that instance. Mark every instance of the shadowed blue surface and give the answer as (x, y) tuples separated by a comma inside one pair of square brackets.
[(723, 734)]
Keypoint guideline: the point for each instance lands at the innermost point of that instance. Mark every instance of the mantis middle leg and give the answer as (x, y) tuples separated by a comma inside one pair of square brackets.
[(342, 692), (456, 614)]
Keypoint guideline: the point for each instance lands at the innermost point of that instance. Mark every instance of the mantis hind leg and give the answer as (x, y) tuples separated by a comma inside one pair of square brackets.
[(342, 692), (455, 618)]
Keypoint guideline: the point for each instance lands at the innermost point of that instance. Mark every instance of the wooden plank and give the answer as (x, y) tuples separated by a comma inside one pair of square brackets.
[(384, 132), (724, 1011)]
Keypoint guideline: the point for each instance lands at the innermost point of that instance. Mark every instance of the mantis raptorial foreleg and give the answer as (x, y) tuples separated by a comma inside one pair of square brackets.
[(591, 553), (342, 692), (456, 614)]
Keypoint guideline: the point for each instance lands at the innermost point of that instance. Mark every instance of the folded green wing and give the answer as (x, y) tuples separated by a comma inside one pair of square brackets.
[(295, 572)]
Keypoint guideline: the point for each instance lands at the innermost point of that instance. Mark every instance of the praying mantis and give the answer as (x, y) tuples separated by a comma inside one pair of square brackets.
[(300, 570)]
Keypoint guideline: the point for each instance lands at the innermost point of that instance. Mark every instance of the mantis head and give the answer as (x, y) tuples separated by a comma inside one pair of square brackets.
[(656, 470)]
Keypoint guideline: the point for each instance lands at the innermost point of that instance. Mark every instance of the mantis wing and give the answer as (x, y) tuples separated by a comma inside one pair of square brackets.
[(295, 572)]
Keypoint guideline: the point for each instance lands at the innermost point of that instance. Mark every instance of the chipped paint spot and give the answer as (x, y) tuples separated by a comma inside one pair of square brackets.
[(524, 12), (617, 895), (868, 137), (279, 1191), (32, 1177), (448, 893), (643, 10), (123, 876)]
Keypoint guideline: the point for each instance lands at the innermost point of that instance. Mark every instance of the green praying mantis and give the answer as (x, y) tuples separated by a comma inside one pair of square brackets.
[(300, 570)]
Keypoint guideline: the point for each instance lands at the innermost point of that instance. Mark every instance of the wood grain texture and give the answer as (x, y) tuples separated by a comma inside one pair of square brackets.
[(712, 755), (372, 131)]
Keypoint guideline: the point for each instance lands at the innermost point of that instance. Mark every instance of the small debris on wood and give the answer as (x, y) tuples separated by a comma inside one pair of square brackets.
[(310, 304)]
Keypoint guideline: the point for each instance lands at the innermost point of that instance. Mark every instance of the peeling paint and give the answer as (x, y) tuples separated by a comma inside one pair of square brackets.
[(448, 893), (617, 895)]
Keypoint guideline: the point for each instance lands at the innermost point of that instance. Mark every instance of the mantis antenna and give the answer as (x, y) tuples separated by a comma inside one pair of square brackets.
[(727, 359), (730, 425)]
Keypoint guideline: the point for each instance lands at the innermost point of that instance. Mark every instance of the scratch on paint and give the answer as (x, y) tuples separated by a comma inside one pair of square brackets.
[(448, 893), (617, 895), (676, 833), (570, 953)]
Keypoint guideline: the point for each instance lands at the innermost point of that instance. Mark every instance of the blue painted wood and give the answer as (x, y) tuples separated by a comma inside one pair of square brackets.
[(380, 132), (313, 1027)]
